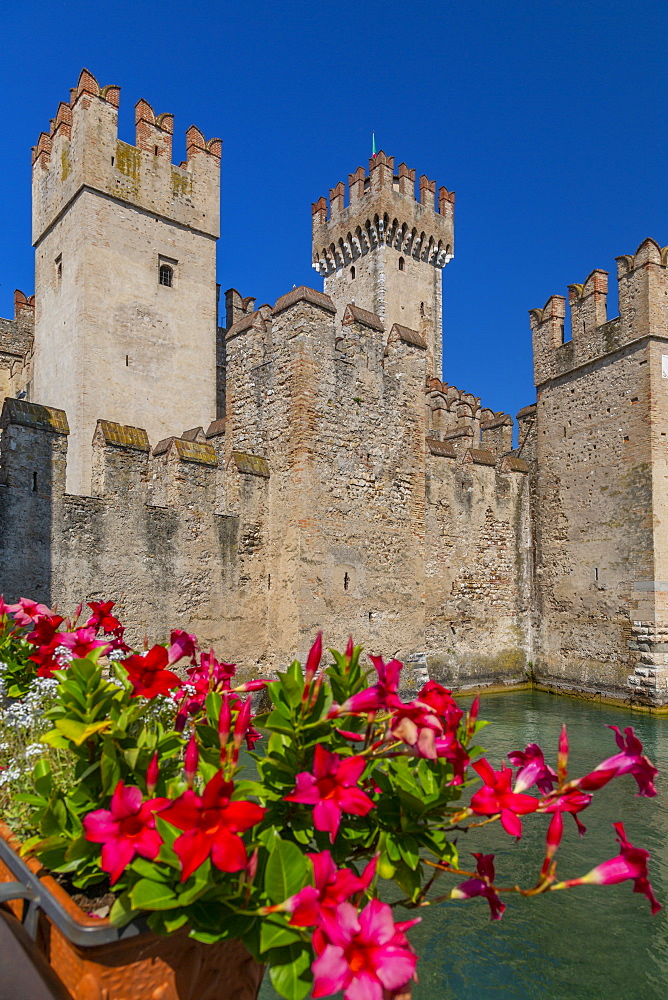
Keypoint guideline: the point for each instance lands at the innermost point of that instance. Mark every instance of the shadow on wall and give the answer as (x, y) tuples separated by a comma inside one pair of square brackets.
[(33, 452)]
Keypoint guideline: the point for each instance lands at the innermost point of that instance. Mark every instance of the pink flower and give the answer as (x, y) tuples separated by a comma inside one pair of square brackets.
[(332, 789), (496, 797), (363, 953), (181, 644), (482, 886), (211, 824), (26, 611), (126, 829), (148, 673), (532, 769), (81, 642), (629, 761), (631, 863), (417, 725), (333, 885), (380, 696)]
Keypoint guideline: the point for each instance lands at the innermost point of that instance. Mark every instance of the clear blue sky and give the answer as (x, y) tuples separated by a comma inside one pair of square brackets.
[(546, 118)]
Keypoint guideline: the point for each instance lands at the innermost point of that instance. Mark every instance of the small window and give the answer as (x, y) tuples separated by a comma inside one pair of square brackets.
[(166, 275), (352, 273), (346, 581), (155, 150), (402, 264), (59, 267), (422, 309), (127, 360), (34, 482)]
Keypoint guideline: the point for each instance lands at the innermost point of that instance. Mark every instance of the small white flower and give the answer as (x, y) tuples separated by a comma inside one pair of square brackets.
[(116, 654), (35, 750)]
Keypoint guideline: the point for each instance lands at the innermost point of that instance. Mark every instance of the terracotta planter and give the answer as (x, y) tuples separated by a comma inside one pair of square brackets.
[(95, 961)]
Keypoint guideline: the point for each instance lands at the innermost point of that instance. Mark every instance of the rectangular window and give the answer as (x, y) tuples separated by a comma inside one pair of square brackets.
[(59, 268)]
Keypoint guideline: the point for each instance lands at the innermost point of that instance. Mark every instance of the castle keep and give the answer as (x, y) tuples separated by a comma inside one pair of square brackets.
[(304, 465)]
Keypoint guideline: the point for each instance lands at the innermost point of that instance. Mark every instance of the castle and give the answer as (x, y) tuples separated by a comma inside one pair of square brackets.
[(305, 466)]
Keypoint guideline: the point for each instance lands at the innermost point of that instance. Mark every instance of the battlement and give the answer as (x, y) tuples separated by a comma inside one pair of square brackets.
[(82, 150), (383, 210), (643, 311)]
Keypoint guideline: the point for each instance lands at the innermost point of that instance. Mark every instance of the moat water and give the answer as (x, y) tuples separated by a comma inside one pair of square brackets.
[(587, 943)]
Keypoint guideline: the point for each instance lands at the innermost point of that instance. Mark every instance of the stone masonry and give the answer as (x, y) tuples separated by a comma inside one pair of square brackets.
[(304, 466)]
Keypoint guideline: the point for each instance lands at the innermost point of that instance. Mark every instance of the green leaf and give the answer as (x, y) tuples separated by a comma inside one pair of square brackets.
[(121, 911), (287, 871), (290, 971), (149, 895), (79, 732), (276, 933)]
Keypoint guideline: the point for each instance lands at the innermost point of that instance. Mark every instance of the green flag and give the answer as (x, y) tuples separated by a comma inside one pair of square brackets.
[(373, 145)]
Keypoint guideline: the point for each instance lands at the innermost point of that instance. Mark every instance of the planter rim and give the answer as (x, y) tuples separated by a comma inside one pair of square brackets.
[(43, 893)]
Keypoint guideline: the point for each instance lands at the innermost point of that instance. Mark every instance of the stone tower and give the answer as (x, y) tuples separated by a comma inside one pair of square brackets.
[(125, 281), (385, 251)]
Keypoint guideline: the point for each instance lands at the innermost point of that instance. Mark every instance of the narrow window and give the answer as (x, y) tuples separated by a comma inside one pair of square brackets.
[(166, 275), (346, 581), (422, 309), (268, 581), (352, 273), (370, 615), (402, 263), (155, 150), (59, 267), (112, 161), (34, 482), (596, 573), (127, 360)]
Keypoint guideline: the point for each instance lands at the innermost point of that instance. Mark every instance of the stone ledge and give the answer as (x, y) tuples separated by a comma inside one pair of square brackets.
[(251, 465), (42, 418), (442, 448), (409, 336), (354, 314), (122, 436), (304, 294)]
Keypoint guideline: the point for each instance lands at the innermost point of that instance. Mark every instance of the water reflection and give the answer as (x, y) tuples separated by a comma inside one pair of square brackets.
[(584, 944)]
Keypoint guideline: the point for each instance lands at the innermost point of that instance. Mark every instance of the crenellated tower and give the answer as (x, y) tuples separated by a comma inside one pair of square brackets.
[(385, 251), (125, 281)]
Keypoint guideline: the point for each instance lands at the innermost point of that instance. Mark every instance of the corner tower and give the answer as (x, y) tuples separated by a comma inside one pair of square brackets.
[(385, 250), (125, 281)]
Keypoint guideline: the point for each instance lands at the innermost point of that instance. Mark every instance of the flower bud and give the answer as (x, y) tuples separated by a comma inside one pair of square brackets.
[(152, 774), (191, 760)]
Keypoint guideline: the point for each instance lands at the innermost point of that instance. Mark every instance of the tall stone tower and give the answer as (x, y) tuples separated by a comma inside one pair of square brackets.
[(125, 281), (385, 251)]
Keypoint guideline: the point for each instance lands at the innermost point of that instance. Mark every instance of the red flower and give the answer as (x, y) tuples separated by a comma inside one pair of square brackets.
[(496, 797), (45, 630), (332, 789), (102, 617), (631, 863), (212, 824), (148, 674), (125, 829), (482, 886)]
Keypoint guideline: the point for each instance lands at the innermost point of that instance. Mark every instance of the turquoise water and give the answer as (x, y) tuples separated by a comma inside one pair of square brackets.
[(585, 944)]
